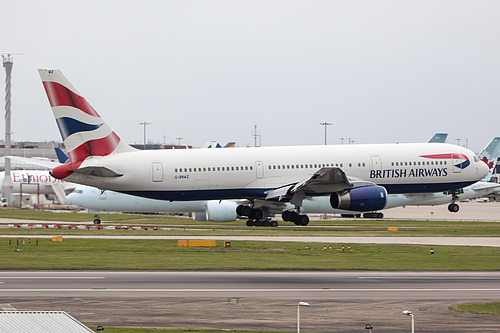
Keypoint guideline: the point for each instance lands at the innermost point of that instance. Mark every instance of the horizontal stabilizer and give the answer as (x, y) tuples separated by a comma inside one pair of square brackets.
[(97, 171)]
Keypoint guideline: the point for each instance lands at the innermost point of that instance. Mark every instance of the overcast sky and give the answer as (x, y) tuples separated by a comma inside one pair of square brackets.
[(380, 71)]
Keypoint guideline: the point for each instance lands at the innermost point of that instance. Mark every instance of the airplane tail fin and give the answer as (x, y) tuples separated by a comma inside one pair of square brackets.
[(438, 138), (489, 155), (83, 130)]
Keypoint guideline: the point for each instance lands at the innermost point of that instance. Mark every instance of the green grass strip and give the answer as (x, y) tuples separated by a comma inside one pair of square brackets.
[(478, 308), (117, 254)]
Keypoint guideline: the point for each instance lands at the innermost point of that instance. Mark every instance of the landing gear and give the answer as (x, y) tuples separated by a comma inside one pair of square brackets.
[(267, 222), (373, 215), (298, 219), (254, 214), (256, 217), (453, 207), (97, 220)]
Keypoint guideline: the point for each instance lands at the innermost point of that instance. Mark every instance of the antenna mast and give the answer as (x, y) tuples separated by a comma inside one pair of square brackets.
[(7, 185)]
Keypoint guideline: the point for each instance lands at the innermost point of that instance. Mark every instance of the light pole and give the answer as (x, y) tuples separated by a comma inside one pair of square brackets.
[(298, 314), (325, 124), (144, 124), (409, 313)]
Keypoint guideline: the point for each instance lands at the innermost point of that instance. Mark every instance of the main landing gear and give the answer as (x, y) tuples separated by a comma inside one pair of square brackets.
[(267, 222), (256, 217), (298, 219)]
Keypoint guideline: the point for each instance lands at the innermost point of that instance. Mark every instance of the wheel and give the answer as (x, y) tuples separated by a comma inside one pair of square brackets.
[(286, 216), (246, 210), (380, 215), (250, 223), (303, 220), (453, 207), (265, 223), (256, 214), (239, 210), (258, 223), (273, 224), (368, 215), (97, 221)]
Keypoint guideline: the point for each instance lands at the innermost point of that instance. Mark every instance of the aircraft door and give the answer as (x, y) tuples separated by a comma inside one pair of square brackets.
[(157, 171), (376, 162), (259, 169), (456, 160)]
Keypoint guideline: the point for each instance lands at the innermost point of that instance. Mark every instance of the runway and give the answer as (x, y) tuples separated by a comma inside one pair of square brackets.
[(340, 301)]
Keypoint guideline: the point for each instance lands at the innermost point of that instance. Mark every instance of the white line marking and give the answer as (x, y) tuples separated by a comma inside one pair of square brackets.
[(7, 307), (53, 277), (250, 290)]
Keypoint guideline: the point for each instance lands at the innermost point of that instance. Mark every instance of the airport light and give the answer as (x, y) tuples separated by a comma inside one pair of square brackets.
[(409, 313), (325, 124), (144, 124), (298, 314)]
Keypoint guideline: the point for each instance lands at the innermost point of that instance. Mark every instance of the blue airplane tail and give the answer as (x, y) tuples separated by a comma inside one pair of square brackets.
[(61, 156)]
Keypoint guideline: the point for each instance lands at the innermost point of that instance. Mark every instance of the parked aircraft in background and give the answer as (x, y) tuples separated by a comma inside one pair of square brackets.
[(355, 177), (438, 138), (38, 182)]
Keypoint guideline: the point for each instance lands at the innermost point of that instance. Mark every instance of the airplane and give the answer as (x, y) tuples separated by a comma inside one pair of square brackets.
[(355, 177), (38, 182), (225, 210)]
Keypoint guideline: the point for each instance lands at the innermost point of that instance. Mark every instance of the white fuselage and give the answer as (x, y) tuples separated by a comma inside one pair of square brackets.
[(237, 173), (35, 182)]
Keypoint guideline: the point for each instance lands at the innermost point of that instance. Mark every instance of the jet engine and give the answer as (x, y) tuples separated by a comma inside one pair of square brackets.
[(360, 199), (221, 211)]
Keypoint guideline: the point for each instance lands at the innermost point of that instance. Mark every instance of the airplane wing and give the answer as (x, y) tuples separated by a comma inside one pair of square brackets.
[(324, 181)]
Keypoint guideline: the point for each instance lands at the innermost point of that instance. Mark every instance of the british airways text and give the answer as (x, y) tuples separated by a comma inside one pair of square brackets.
[(409, 173)]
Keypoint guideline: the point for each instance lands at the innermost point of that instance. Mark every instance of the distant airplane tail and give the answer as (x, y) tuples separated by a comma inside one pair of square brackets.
[(61, 156), (489, 155), (83, 130), (438, 138)]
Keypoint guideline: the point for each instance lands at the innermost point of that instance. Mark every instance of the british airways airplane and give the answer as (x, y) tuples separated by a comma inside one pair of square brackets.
[(356, 177)]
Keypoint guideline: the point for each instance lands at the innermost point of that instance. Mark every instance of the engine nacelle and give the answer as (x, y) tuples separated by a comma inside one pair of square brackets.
[(360, 199), (221, 211)]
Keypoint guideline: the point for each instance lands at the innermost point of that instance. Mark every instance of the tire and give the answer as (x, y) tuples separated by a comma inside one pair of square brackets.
[(303, 220), (250, 223), (97, 221), (453, 207), (246, 210), (239, 210), (274, 224)]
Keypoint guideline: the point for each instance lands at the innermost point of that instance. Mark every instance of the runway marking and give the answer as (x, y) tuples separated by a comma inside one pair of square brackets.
[(52, 277), (250, 290), (7, 307)]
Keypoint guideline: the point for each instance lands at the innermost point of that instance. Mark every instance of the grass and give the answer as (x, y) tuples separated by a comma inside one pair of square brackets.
[(478, 308), (115, 254), (181, 225)]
